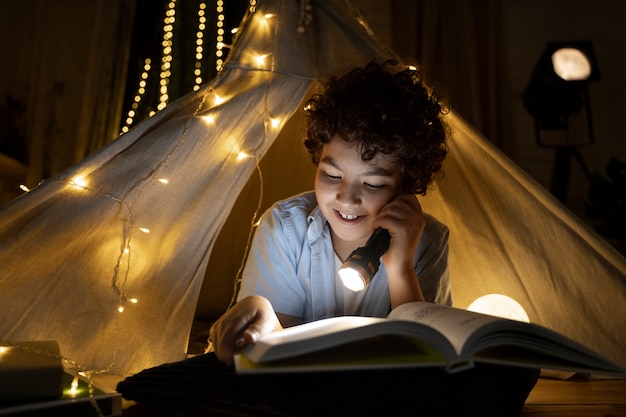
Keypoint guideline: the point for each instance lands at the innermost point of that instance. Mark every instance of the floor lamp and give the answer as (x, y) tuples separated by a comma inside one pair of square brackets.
[(556, 93)]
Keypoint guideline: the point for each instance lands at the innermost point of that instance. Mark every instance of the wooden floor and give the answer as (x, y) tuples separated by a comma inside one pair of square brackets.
[(576, 398)]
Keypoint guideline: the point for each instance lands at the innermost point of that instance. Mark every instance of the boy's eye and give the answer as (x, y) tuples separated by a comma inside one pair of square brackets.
[(332, 177), (372, 186)]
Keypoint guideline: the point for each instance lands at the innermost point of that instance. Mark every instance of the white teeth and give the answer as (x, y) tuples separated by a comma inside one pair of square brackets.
[(348, 216)]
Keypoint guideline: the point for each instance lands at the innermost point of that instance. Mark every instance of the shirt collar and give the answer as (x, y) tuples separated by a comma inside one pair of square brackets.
[(317, 225)]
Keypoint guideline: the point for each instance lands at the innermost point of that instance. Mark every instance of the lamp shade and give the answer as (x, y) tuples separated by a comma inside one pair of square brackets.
[(558, 85)]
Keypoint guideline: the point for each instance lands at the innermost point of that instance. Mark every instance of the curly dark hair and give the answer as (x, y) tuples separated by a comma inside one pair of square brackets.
[(382, 107)]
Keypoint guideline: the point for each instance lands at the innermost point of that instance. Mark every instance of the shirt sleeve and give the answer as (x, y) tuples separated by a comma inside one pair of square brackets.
[(432, 263), (271, 267)]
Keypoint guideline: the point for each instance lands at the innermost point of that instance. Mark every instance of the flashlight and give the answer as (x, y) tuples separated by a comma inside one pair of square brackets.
[(360, 267)]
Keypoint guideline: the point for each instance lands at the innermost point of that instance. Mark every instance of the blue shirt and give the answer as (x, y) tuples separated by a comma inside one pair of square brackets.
[(292, 263)]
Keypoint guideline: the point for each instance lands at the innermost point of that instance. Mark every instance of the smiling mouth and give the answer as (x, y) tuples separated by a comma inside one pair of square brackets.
[(348, 216)]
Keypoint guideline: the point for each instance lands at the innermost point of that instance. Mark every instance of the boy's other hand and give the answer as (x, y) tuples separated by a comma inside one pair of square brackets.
[(243, 324)]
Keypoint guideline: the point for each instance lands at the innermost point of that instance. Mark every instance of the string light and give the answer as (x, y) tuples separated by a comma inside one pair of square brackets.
[(260, 59), (166, 55), (74, 386), (305, 15), (274, 122), (141, 91), (79, 182), (217, 100), (209, 119), (123, 300), (123, 297), (219, 50), (199, 46)]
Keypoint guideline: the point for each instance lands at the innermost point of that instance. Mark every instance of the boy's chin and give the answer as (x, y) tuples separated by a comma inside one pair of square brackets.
[(358, 235)]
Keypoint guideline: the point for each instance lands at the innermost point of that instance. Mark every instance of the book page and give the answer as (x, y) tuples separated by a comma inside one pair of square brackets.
[(391, 351), (322, 334), (454, 323), (308, 337)]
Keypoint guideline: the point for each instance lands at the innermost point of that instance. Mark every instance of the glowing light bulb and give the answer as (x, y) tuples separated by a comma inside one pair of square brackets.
[(260, 59), (209, 119), (144, 229), (218, 100), (274, 122), (74, 386), (242, 155), (120, 309), (499, 305), (163, 180), (571, 64), (79, 181), (24, 188)]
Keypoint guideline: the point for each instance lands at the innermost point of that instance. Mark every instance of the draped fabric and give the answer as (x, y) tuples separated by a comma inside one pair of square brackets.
[(511, 236), (139, 219)]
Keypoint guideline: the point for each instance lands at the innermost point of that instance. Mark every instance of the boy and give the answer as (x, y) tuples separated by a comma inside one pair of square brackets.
[(377, 138)]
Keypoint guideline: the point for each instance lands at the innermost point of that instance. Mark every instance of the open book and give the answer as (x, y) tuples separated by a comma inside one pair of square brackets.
[(419, 334)]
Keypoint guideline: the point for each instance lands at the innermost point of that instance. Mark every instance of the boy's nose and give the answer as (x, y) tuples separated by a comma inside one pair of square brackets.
[(348, 196)]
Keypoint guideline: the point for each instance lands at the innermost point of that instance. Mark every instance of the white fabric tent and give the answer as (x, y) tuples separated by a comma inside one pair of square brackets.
[(139, 218)]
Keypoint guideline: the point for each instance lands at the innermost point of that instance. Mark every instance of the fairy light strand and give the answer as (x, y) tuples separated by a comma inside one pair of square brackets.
[(141, 91), (219, 38), (197, 72), (270, 123), (305, 15), (119, 281), (166, 54), (118, 284)]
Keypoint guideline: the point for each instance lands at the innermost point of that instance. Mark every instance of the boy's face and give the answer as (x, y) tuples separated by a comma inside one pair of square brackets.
[(351, 192)]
